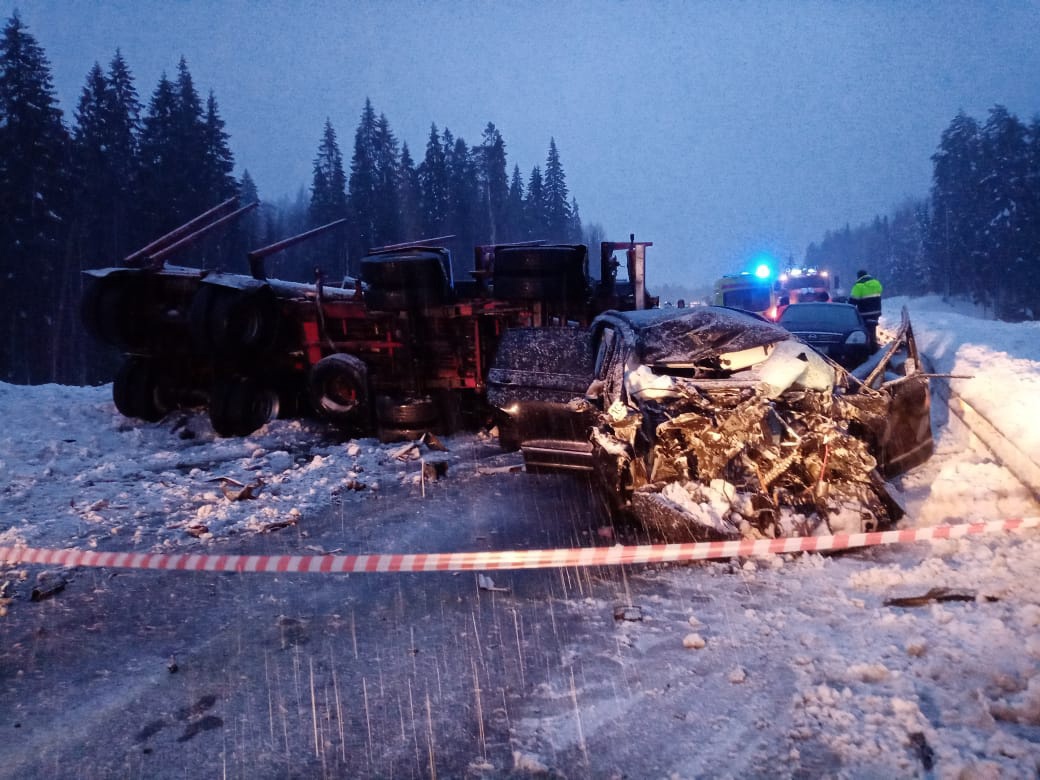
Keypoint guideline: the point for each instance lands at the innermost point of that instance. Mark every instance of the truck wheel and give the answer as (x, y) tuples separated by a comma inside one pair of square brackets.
[(410, 413), (403, 269), (231, 322), (237, 407), (536, 261), (112, 312), (338, 388), (137, 390), (385, 299), (529, 287)]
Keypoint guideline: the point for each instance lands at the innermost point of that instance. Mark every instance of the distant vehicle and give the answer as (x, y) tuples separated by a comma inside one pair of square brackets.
[(706, 422), (835, 329), (804, 285), (754, 292)]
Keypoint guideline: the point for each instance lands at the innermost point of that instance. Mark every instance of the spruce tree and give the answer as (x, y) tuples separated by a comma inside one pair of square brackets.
[(494, 183), (123, 129), (462, 195), (433, 187), (408, 196), (161, 179), (34, 196), (514, 219), (218, 161), (955, 225), (1003, 200), (576, 232), (557, 210), (95, 180), (386, 205), (536, 225), (363, 179), (328, 203)]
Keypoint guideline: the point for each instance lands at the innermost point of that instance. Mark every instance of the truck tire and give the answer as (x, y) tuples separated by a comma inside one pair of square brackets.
[(338, 388), (233, 322), (112, 311), (529, 288), (535, 261), (137, 390), (551, 273), (239, 406), (400, 270), (410, 413), (394, 300)]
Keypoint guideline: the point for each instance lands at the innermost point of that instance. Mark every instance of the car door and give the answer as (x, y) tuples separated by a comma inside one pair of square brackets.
[(537, 385)]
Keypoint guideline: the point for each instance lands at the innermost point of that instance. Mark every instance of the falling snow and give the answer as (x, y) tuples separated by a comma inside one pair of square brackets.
[(781, 666)]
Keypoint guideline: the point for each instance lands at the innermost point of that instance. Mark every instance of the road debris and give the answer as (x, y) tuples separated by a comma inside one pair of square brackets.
[(628, 612), (48, 584), (486, 583), (935, 595)]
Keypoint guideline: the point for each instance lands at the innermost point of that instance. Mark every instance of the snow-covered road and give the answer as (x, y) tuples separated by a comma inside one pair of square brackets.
[(790, 665)]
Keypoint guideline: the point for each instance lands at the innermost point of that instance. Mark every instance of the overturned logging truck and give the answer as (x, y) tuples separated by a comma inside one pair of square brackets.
[(402, 349)]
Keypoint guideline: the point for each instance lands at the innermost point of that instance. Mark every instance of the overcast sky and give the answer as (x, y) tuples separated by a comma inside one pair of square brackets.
[(717, 130)]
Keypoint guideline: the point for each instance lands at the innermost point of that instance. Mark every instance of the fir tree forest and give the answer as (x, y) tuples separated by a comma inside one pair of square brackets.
[(84, 192), (74, 198)]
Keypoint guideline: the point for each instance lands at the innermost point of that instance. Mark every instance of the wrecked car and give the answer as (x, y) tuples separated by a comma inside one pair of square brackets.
[(711, 423)]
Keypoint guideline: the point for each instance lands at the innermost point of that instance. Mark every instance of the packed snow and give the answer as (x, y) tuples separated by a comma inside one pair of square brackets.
[(948, 686)]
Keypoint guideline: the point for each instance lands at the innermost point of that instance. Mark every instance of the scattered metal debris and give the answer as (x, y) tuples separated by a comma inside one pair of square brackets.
[(434, 469), (628, 612), (48, 584), (486, 583), (935, 595)]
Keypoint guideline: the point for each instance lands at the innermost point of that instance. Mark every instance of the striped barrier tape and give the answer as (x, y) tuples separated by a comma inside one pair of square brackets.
[(514, 559)]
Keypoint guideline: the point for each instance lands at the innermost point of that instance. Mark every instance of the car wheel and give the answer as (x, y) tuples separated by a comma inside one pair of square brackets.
[(239, 406), (137, 390), (338, 388)]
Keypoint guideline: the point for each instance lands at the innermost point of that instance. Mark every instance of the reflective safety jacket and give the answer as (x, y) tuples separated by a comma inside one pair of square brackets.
[(866, 294)]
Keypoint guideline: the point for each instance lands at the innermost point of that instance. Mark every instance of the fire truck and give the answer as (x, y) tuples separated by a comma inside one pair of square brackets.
[(800, 285), (401, 349)]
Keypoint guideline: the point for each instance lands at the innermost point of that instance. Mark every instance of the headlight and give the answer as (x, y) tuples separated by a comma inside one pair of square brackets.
[(856, 337)]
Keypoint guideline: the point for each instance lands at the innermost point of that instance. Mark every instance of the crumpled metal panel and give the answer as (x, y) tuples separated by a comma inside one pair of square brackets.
[(700, 333), (736, 464)]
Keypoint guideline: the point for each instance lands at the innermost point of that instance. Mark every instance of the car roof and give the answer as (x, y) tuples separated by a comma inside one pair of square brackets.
[(681, 335)]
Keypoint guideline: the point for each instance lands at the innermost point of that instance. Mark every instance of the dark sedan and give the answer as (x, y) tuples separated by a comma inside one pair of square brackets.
[(835, 329), (708, 422)]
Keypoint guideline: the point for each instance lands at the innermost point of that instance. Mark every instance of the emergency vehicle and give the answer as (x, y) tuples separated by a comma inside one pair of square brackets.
[(801, 285), (754, 292)]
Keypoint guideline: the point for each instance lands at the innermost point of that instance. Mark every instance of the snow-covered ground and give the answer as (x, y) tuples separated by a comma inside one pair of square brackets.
[(949, 688)]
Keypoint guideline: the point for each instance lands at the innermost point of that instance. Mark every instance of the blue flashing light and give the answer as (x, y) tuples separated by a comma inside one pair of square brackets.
[(763, 271)]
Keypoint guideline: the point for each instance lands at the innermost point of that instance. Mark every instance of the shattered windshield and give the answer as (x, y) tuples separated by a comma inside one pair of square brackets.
[(700, 333)]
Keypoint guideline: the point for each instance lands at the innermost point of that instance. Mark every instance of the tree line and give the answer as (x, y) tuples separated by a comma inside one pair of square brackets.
[(976, 236), (84, 196)]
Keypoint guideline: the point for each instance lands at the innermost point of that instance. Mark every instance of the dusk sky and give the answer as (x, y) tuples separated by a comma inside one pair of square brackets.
[(717, 130)]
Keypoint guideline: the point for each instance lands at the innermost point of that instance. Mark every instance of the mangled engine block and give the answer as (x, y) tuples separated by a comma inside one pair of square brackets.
[(728, 463)]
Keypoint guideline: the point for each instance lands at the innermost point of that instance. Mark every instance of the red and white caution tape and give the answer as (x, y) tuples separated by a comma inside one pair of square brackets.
[(511, 559)]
